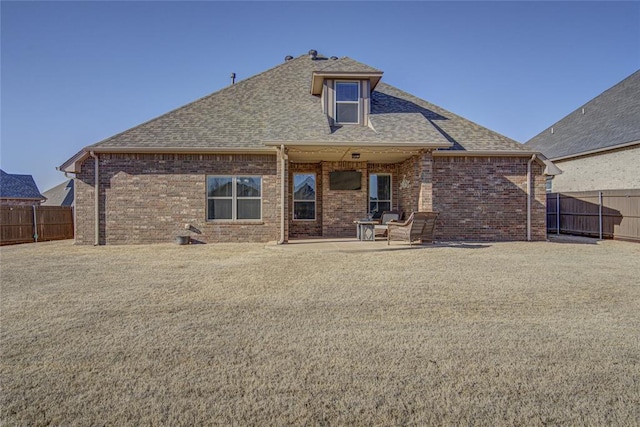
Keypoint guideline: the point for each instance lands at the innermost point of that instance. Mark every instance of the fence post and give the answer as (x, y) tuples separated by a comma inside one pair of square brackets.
[(35, 224), (558, 214), (600, 214)]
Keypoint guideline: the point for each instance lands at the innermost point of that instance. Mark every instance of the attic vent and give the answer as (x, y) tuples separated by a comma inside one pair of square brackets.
[(583, 111), (334, 57), (551, 130), (288, 58), (313, 54)]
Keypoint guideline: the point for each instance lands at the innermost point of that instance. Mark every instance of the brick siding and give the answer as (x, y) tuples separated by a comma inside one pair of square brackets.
[(150, 197), (484, 199)]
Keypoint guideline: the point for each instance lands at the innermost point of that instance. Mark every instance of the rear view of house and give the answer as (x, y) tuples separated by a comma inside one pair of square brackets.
[(302, 150)]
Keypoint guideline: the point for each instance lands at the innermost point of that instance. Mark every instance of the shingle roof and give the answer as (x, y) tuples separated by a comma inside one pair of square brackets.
[(610, 119), (60, 195), (277, 105), (14, 186)]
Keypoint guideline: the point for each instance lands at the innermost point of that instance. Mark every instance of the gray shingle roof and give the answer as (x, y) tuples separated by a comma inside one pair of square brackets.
[(610, 119), (277, 106), (60, 195), (14, 186)]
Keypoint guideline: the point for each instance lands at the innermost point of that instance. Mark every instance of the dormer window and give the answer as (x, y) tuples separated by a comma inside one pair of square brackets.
[(347, 102)]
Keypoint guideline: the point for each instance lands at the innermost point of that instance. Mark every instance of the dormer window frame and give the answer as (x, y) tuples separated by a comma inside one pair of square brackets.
[(357, 101)]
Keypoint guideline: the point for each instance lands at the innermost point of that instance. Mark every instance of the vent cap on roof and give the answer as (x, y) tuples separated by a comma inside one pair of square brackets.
[(288, 58), (313, 54), (334, 57)]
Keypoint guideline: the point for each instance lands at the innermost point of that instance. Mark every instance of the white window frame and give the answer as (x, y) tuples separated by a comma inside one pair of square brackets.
[(336, 102), (390, 190), (315, 198), (234, 198)]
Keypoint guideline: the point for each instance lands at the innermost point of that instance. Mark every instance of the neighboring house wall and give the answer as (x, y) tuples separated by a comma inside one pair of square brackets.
[(149, 198), (612, 170), (484, 199)]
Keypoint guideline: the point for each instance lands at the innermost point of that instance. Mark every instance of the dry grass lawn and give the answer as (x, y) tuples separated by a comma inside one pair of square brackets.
[(237, 334)]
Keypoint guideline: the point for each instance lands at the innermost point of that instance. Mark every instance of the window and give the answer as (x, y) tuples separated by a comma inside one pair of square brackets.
[(234, 198), (549, 184), (304, 196), (347, 102), (379, 193)]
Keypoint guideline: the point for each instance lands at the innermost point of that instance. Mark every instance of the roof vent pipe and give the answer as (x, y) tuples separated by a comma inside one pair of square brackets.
[(233, 78), (313, 54), (288, 58), (334, 57)]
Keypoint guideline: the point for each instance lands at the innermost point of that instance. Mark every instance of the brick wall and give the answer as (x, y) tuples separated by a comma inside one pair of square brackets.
[(342, 207), (149, 197), (611, 170), (484, 199)]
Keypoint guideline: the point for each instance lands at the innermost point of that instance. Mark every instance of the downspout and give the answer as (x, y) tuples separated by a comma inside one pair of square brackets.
[(529, 185), (283, 193), (96, 241)]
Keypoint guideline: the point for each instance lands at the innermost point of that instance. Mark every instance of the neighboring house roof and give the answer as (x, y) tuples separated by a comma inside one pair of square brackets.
[(609, 120), (276, 106), (60, 195), (14, 186)]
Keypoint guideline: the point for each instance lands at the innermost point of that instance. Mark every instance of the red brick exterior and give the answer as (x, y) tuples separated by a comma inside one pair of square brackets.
[(148, 198), (484, 199)]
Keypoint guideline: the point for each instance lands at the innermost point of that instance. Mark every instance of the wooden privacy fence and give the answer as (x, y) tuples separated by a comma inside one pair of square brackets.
[(51, 223), (613, 214)]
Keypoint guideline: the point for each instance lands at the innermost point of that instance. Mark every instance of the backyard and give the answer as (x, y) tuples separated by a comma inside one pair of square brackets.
[(336, 334)]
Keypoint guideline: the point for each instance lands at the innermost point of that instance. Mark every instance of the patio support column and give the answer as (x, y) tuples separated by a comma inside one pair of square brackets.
[(425, 175), (282, 180)]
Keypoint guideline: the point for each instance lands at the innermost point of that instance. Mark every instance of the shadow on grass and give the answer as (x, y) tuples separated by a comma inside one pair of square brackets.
[(576, 240)]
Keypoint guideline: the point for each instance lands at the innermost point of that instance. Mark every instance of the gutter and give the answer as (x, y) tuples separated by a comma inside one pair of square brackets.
[(283, 197), (96, 241), (529, 185)]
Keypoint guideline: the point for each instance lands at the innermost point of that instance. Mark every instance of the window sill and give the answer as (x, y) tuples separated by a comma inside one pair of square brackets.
[(238, 222)]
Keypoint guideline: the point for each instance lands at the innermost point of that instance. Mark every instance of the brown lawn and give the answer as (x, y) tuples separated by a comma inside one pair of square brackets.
[(486, 334)]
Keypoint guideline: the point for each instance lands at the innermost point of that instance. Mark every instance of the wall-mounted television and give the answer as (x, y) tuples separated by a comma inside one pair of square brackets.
[(345, 180)]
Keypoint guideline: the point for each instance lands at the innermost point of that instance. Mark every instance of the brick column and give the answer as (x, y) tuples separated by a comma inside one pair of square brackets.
[(425, 174)]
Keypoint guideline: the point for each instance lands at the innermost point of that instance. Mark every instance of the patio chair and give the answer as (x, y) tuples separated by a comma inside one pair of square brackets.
[(381, 229), (419, 226)]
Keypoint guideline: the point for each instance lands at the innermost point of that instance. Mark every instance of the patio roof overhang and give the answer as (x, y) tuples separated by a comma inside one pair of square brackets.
[(314, 152)]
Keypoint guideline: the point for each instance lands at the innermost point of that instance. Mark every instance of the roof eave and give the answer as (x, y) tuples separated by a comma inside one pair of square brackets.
[(596, 151), (73, 164), (319, 76), (426, 145)]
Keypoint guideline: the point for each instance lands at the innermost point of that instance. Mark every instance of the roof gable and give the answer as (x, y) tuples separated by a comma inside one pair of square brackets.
[(608, 120)]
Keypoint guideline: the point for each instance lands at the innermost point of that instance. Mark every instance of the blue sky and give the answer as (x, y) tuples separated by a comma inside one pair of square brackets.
[(74, 73)]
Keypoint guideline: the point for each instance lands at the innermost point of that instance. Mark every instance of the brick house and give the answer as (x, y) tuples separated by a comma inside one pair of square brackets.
[(19, 190), (301, 150), (597, 146)]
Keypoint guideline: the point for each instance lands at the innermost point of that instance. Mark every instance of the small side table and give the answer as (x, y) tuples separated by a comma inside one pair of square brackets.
[(365, 229)]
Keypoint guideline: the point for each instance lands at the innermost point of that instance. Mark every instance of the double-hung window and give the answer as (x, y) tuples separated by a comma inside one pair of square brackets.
[(304, 196), (234, 198), (379, 193), (347, 106)]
